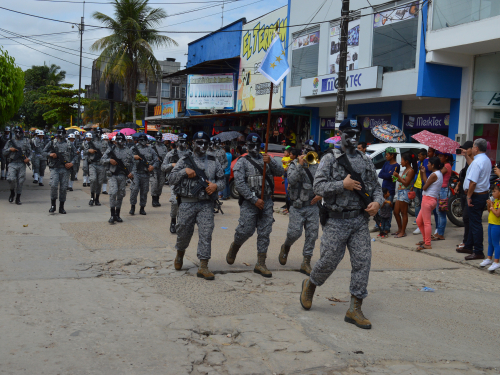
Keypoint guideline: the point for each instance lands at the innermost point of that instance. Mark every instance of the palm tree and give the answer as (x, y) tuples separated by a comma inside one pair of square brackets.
[(127, 53), (54, 76)]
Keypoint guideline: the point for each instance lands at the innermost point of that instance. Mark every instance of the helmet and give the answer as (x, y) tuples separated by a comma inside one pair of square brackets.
[(142, 137), (60, 131), (120, 138), (104, 137), (158, 136), (7, 129), (37, 131), (41, 132), (216, 140), (88, 135), (71, 136), (128, 137), (18, 131)]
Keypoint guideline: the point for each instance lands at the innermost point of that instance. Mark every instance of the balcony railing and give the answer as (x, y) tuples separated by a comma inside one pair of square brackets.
[(449, 13)]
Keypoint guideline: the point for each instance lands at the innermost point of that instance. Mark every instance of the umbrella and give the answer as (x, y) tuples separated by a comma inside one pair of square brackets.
[(389, 133), (111, 135), (333, 140), (227, 136), (106, 130), (136, 135), (74, 128), (170, 137), (150, 137), (127, 131), (437, 142), (71, 131)]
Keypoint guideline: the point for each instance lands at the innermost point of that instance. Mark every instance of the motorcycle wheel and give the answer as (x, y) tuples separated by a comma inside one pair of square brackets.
[(455, 211), (411, 207)]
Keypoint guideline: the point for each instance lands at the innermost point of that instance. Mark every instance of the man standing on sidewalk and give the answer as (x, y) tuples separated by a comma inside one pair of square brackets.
[(467, 152), (476, 186)]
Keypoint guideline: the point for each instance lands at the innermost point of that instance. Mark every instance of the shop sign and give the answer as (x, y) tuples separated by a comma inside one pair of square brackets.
[(306, 41), (210, 91), (253, 87), (158, 110), (352, 47), (357, 80), (369, 122), (388, 17), (435, 121), (169, 109), (328, 123)]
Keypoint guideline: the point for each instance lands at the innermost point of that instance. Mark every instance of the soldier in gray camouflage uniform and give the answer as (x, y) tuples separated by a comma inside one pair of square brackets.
[(85, 159), (254, 212), (38, 143), (178, 151), (196, 208), (3, 141), (220, 153), (304, 211), (59, 167), (18, 151), (118, 162), (142, 170), (158, 177), (106, 143), (347, 221), (94, 149)]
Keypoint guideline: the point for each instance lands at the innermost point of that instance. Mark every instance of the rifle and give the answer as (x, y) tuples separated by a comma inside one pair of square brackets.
[(60, 157), (19, 154), (143, 160), (121, 166), (98, 152), (175, 157), (202, 180)]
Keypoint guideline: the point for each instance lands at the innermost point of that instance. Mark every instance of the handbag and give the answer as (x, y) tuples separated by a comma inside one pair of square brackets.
[(412, 195), (443, 205)]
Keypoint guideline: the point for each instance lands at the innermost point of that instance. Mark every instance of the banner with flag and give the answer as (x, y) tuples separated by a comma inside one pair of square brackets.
[(274, 66)]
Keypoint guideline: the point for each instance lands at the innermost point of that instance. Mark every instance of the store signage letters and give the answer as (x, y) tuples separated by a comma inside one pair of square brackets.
[(356, 80), (436, 122), (369, 122), (169, 109)]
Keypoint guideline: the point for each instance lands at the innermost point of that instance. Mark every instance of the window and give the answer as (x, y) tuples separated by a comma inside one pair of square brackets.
[(142, 88), (165, 90), (151, 110), (305, 52), (152, 88), (448, 13), (395, 38), (379, 160), (183, 92), (175, 92)]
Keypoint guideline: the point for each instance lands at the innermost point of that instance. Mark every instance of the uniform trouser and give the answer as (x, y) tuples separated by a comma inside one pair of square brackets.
[(249, 221), (58, 183), (85, 167), (306, 218), (76, 167), (337, 234), (201, 213), (97, 173), (174, 210), (139, 183), (16, 176), (4, 163), (39, 165), (157, 182), (117, 191)]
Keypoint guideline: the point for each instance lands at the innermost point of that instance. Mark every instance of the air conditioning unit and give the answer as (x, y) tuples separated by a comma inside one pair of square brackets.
[(460, 138)]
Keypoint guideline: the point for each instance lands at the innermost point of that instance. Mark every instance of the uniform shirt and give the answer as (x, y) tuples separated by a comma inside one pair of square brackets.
[(246, 177), (479, 172), (61, 146), (492, 219), (300, 186), (22, 144), (147, 152), (37, 145), (173, 156), (329, 182), (220, 154), (95, 145), (122, 153), (161, 150)]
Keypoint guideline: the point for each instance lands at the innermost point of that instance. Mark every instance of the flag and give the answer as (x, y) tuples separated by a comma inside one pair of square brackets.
[(274, 66)]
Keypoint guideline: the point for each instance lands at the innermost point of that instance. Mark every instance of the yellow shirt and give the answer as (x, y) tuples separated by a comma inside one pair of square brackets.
[(492, 219), (285, 160)]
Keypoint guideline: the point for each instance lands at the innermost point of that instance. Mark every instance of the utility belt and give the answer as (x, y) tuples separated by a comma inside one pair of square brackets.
[(325, 214), (190, 200), (241, 199)]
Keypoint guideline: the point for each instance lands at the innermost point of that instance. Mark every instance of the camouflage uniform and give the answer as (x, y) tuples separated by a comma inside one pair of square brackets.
[(248, 182), (196, 210), (76, 166), (38, 161), (158, 177), (302, 213), (58, 172), (173, 157), (221, 157), (85, 161), (97, 171), (341, 232), (118, 180), (17, 168), (141, 174), (4, 162)]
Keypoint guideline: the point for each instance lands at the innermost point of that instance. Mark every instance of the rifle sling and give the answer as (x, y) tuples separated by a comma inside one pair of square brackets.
[(343, 160), (198, 171), (269, 179)]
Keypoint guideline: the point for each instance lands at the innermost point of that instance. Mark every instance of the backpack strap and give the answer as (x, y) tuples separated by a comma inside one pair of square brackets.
[(269, 179)]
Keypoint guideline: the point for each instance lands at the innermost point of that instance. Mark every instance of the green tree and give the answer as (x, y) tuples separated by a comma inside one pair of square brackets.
[(42, 75), (30, 112), (56, 75), (64, 103), (11, 87), (127, 53)]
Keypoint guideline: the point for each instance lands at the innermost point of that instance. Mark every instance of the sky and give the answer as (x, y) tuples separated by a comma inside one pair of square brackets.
[(198, 15)]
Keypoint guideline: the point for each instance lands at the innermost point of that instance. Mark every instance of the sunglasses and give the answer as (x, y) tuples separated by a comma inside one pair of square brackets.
[(201, 143)]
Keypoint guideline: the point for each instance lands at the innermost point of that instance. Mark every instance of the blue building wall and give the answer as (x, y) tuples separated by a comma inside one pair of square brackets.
[(218, 45)]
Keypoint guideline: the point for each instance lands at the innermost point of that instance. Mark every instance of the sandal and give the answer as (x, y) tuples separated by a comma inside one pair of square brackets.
[(394, 234), (420, 243), (423, 247), (434, 238), (400, 236), (461, 246)]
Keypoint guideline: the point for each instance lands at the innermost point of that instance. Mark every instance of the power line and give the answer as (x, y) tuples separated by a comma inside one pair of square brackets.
[(111, 3)]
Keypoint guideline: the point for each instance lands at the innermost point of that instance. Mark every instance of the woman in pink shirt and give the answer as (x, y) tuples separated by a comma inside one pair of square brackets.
[(447, 160)]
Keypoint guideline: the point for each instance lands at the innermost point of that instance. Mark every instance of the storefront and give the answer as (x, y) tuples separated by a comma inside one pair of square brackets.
[(435, 123)]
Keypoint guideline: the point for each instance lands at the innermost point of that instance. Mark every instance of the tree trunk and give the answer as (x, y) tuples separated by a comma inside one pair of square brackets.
[(133, 112)]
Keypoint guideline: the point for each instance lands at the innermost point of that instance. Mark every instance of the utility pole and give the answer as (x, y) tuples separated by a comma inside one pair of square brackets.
[(81, 28), (222, 25), (341, 91)]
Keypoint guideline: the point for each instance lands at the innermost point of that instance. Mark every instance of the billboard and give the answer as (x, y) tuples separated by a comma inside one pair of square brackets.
[(169, 109), (210, 91), (403, 13), (352, 47), (253, 87)]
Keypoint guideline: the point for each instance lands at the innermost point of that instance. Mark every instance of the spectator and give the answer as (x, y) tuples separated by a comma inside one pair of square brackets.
[(446, 160), (493, 231), (286, 160), (467, 152), (385, 214), (409, 161), (362, 147), (417, 186), (430, 195), (386, 173), (227, 173), (476, 186)]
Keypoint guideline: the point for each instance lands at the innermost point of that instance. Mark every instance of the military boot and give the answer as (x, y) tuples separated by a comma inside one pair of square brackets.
[(112, 218), (203, 271), (132, 209), (179, 258), (97, 203), (172, 226), (158, 204), (18, 199), (12, 196), (307, 294), (61, 207), (284, 254), (355, 316), (260, 266), (153, 201), (231, 254), (141, 211), (52, 206), (305, 267), (92, 197), (118, 219)]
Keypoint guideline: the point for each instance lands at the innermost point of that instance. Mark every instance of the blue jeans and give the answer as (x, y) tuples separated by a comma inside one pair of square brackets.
[(417, 200), (494, 241), (388, 227), (386, 224), (226, 193), (475, 239), (441, 215)]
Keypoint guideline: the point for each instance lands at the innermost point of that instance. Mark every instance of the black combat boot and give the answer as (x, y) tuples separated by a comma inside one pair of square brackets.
[(158, 204), (18, 199), (118, 219), (132, 209), (61, 207), (172, 226), (112, 218), (97, 203), (141, 211), (52, 206), (91, 202), (153, 201), (12, 196)]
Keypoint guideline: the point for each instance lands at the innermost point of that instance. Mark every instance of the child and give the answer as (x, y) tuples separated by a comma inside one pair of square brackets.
[(386, 173), (409, 162), (493, 231), (386, 214)]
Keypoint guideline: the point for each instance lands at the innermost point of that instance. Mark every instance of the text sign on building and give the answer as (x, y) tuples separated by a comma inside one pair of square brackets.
[(158, 110), (439, 121), (169, 109), (356, 80), (210, 91), (369, 122)]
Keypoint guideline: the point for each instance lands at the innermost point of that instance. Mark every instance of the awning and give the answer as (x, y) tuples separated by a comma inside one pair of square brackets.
[(230, 65)]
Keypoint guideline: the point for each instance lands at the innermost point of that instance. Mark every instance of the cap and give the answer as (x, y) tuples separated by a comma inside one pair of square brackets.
[(391, 150), (88, 135), (349, 124), (71, 136), (41, 132), (254, 138), (467, 145), (311, 143), (287, 148), (201, 135), (182, 136)]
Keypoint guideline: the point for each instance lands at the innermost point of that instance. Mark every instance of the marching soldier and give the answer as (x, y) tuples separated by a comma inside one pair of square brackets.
[(220, 153), (255, 213), (158, 177), (179, 150), (106, 144), (3, 141), (196, 180), (17, 150), (304, 211), (145, 161), (38, 143), (118, 161), (78, 145), (85, 159), (61, 154), (94, 149), (72, 171), (347, 181)]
